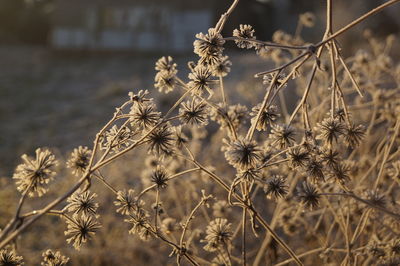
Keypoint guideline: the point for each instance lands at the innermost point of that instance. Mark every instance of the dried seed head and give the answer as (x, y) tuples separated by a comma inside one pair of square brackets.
[(276, 187), (330, 129), (127, 203), (118, 138), (51, 258), (283, 135), (209, 46), (340, 173), (200, 80), (222, 67), (244, 32), (144, 116), (315, 169), (10, 258), (249, 174), (34, 174), (161, 140), (167, 64), (80, 229), (180, 137), (194, 112), (159, 177), (243, 154), (376, 198), (353, 135), (165, 81), (308, 195), (140, 97), (218, 234), (267, 118), (298, 157), (79, 160), (82, 202)]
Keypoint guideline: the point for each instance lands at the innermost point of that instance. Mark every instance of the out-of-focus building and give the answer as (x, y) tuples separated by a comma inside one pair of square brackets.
[(129, 25)]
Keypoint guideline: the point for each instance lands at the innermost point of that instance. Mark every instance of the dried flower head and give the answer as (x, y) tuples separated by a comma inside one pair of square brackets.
[(244, 32), (79, 160), (140, 97), (222, 67), (243, 154), (139, 222), (218, 234), (249, 174), (82, 202), (161, 140), (330, 129), (127, 203), (276, 187), (267, 117), (308, 195), (330, 157), (209, 46), (118, 138), (194, 112), (144, 116), (10, 258), (200, 80), (34, 174), (51, 258), (341, 172), (298, 157), (159, 177), (80, 229), (353, 135), (165, 81), (283, 135), (167, 64), (315, 169)]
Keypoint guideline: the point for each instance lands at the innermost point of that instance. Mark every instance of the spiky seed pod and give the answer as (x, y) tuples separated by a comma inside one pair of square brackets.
[(159, 177), (298, 157), (267, 118), (194, 112), (144, 116), (341, 173), (283, 135), (127, 203), (161, 140), (10, 258), (353, 135), (79, 160), (222, 67), (82, 202), (276, 187), (209, 46), (330, 130), (51, 258), (218, 234), (166, 63), (35, 173), (330, 157), (80, 229), (376, 198), (315, 169), (165, 81), (243, 154), (140, 97), (244, 32), (200, 80), (308, 195)]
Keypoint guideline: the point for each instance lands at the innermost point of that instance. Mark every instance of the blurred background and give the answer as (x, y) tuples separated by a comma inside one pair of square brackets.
[(65, 64)]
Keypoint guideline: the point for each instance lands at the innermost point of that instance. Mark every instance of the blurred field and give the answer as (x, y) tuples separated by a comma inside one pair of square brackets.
[(61, 100)]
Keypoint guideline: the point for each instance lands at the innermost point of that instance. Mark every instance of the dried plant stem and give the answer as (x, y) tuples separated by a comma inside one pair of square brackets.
[(268, 44), (219, 181), (221, 22)]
